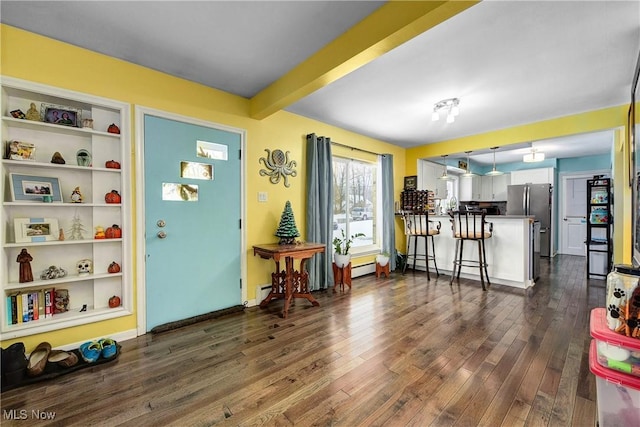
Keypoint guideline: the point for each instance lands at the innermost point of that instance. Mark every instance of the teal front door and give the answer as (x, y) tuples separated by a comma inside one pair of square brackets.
[(192, 219)]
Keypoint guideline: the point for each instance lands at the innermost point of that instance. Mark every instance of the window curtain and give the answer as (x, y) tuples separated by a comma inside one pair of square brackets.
[(388, 210), (320, 209)]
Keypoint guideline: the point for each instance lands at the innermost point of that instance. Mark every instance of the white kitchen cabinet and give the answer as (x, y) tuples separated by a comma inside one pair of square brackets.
[(486, 188), (494, 188), (70, 235), (470, 188), (428, 179), (533, 176), (500, 184)]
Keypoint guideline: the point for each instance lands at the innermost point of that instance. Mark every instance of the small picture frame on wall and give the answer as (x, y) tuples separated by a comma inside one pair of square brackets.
[(60, 115), (411, 182)]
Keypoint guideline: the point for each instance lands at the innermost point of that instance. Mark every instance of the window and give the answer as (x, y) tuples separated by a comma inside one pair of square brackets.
[(356, 203)]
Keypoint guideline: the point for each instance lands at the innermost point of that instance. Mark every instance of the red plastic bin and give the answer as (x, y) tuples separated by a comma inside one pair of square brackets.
[(618, 394), (614, 351)]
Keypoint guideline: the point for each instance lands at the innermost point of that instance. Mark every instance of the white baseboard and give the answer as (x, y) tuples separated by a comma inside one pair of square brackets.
[(118, 337)]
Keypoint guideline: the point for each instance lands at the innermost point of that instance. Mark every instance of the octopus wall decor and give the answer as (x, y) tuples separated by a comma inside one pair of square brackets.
[(278, 166)]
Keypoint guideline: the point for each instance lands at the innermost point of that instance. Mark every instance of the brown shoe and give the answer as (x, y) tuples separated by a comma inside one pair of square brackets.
[(38, 359), (66, 359)]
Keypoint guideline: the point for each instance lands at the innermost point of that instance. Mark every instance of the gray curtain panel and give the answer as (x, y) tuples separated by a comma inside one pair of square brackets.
[(388, 210), (320, 209)]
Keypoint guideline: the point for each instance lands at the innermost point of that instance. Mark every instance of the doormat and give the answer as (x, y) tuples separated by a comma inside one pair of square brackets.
[(195, 319), (53, 370)]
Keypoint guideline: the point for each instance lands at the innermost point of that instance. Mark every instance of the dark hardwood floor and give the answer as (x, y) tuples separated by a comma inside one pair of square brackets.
[(389, 352)]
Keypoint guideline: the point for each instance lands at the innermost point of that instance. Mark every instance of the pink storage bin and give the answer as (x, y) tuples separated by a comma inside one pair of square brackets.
[(614, 350), (618, 395)]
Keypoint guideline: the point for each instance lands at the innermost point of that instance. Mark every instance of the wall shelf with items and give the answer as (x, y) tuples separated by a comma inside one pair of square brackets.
[(43, 214), (599, 227)]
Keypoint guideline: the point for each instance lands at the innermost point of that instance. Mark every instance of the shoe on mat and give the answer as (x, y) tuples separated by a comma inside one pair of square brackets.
[(14, 364), (66, 359), (109, 347), (90, 351), (38, 359)]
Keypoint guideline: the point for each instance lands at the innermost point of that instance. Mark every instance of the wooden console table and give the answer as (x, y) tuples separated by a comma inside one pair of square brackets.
[(289, 283)]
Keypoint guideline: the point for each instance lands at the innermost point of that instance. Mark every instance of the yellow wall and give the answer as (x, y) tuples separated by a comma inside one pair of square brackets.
[(31, 57), (35, 58)]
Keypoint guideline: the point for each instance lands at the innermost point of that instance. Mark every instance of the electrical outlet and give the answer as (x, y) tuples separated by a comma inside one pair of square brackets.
[(262, 196)]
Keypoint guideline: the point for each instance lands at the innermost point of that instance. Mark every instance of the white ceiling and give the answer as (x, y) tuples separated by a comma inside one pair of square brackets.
[(509, 62)]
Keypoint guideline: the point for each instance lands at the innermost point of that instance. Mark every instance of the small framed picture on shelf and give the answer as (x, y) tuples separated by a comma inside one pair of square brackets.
[(17, 114), (36, 229), (18, 150), (60, 115), (410, 182), (34, 188)]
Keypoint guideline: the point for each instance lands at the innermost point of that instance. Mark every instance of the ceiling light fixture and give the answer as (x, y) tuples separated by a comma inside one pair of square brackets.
[(445, 176), (468, 171), (450, 106), (533, 157), (494, 171)]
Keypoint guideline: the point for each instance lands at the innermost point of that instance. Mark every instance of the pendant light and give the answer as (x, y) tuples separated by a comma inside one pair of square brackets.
[(445, 176), (494, 172), (468, 171)]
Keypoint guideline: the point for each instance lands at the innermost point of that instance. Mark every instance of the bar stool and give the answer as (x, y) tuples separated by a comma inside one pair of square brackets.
[(417, 225), (470, 225)]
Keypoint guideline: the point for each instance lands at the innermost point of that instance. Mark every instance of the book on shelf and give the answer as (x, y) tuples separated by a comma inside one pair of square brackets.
[(49, 295), (25, 307), (36, 304), (30, 304), (14, 308), (9, 311)]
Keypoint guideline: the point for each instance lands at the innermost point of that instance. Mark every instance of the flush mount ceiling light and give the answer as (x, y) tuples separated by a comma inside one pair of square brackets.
[(533, 157), (468, 171), (445, 176), (494, 171), (450, 106)]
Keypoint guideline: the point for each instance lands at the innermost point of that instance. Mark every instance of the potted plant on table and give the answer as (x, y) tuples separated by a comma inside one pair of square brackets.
[(341, 255)]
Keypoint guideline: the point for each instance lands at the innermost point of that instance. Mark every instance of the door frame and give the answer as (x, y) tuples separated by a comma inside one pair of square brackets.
[(141, 250), (564, 177)]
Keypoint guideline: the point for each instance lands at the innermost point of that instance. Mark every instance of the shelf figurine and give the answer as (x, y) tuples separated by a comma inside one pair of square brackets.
[(84, 267), (24, 258), (100, 234), (76, 229), (57, 158), (76, 195), (33, 113)]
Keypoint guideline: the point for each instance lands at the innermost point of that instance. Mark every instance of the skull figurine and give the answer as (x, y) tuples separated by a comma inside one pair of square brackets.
[(84, 267)]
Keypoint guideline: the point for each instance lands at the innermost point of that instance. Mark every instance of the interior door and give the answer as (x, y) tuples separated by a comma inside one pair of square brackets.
[(574, 223), (192, 220)]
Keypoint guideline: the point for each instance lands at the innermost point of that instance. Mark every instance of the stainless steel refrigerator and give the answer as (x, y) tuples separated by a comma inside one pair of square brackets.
[(534, 200)]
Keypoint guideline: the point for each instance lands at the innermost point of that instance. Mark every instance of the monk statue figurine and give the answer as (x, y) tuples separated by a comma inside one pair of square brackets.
[(24, 258)]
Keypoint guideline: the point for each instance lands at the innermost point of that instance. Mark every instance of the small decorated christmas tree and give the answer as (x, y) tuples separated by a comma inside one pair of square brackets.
[(287, 230)]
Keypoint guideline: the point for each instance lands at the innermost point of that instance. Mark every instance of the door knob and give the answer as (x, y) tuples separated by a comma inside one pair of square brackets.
[(161, 223), (162, 234)]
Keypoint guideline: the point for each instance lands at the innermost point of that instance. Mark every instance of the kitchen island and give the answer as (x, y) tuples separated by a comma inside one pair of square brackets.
[(509, 251)]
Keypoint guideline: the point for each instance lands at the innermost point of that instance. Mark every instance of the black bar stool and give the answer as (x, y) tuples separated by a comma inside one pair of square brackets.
[(417, 225), (470, 225)]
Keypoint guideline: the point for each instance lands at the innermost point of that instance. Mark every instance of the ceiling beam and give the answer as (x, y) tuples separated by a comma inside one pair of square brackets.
[(391, 25)]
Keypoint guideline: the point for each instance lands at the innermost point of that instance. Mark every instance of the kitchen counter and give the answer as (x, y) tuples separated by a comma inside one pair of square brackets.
[(508, 250)]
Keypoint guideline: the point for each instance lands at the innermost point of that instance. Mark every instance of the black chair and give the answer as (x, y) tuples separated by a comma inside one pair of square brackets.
[(470, 225), (417, 225)]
